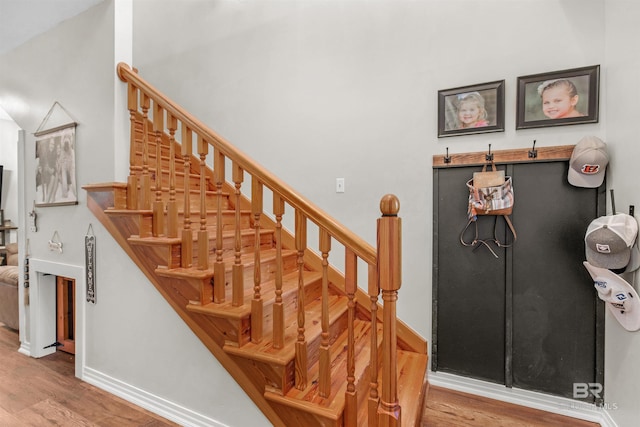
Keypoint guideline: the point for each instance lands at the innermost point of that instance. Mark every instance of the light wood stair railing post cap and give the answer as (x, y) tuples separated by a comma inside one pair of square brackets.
[(120, 68), (389, 205), (124, 66)]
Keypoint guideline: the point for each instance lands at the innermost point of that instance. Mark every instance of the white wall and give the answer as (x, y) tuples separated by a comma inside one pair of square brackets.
[(135, 345), (9, 159), (622, 372), (315, 90)]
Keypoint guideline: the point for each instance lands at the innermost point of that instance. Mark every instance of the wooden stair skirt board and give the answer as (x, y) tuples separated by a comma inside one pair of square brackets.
[(222, 280)]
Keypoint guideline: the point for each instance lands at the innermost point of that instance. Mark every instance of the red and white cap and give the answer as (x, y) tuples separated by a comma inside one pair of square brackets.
[(588, 163)]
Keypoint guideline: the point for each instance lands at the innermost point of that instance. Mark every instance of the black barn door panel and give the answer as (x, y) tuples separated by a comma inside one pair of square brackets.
[(529, 318)]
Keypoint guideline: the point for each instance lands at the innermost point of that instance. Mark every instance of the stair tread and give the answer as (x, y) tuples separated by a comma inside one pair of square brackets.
[(411, 369), (264, 351), (228, 310), (411, 385)]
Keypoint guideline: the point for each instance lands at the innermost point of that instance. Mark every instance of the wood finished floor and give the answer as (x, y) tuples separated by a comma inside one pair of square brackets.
[(45, 392), (449, 408)]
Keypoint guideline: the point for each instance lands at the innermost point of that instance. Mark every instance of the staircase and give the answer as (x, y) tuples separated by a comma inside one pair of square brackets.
[(304, 341)]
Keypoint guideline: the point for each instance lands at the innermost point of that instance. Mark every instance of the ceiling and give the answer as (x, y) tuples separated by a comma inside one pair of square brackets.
[(21, 20)]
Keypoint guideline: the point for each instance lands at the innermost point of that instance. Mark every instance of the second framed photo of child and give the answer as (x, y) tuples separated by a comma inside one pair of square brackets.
[(559, 98), (471, 109)]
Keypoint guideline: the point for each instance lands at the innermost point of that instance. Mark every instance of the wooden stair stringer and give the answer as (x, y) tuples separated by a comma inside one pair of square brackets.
[(254, 375)]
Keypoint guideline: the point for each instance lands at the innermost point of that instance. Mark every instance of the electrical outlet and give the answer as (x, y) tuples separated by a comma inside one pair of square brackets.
[(339, 185)]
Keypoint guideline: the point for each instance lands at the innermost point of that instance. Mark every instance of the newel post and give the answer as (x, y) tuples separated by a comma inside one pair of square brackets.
[(389, 244)]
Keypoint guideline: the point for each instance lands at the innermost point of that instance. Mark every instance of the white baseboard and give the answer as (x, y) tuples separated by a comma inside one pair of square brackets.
[(25, 349), (169, 410), (530, 399)]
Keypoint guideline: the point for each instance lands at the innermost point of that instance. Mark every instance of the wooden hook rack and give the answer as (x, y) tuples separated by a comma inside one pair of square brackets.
[(555, 153)]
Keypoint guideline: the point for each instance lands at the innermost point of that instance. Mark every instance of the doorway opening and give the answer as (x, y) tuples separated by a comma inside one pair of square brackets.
[(66, 314), (56, 313)]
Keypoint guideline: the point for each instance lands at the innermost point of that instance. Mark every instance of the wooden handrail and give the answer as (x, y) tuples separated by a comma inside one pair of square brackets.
[(312, 212)]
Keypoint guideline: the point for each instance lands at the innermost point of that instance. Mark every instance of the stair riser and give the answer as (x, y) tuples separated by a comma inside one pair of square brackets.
[(228, 220), (267, 272), (211, 204), (312, 291), (313, 348), (194, 179), (307, 418), (239, 332), (247, 243)]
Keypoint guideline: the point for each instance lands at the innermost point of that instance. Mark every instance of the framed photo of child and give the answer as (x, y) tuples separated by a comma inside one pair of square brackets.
[(471, 109), (558, 98)]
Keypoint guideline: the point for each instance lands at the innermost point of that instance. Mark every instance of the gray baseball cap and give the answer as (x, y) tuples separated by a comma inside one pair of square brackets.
[(609, 239), (588, 163)]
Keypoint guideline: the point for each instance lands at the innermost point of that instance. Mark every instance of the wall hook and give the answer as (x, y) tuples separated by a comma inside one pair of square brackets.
[(489, 156), (447, 159), (533, 153), (613, 203)]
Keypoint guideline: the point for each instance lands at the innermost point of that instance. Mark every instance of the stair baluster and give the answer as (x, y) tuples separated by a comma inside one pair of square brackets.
[(301, 342), (238, 270), (389, 262), (132, 181), (256, 302), (203, 235), (351, 285), (218, 267), (145, 187), (158, 205), (278, 307), (172, 207), (186, 249), (324, 382)]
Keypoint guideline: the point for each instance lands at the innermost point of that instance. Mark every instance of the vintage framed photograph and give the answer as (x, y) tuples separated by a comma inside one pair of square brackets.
[(471, 109), (56, 167), (558, 98)]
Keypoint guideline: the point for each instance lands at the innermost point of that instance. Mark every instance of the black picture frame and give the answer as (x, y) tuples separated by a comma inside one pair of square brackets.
[(530, 105), (491, 94), (55, 173)]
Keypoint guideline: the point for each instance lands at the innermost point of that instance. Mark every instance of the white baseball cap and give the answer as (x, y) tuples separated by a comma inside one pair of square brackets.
[(588, 163), (622, 300)]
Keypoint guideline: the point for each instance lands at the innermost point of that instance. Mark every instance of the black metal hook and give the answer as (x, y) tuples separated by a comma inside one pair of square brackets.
[(447, 159), (613, 203), (533, 153), (489, 156)]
